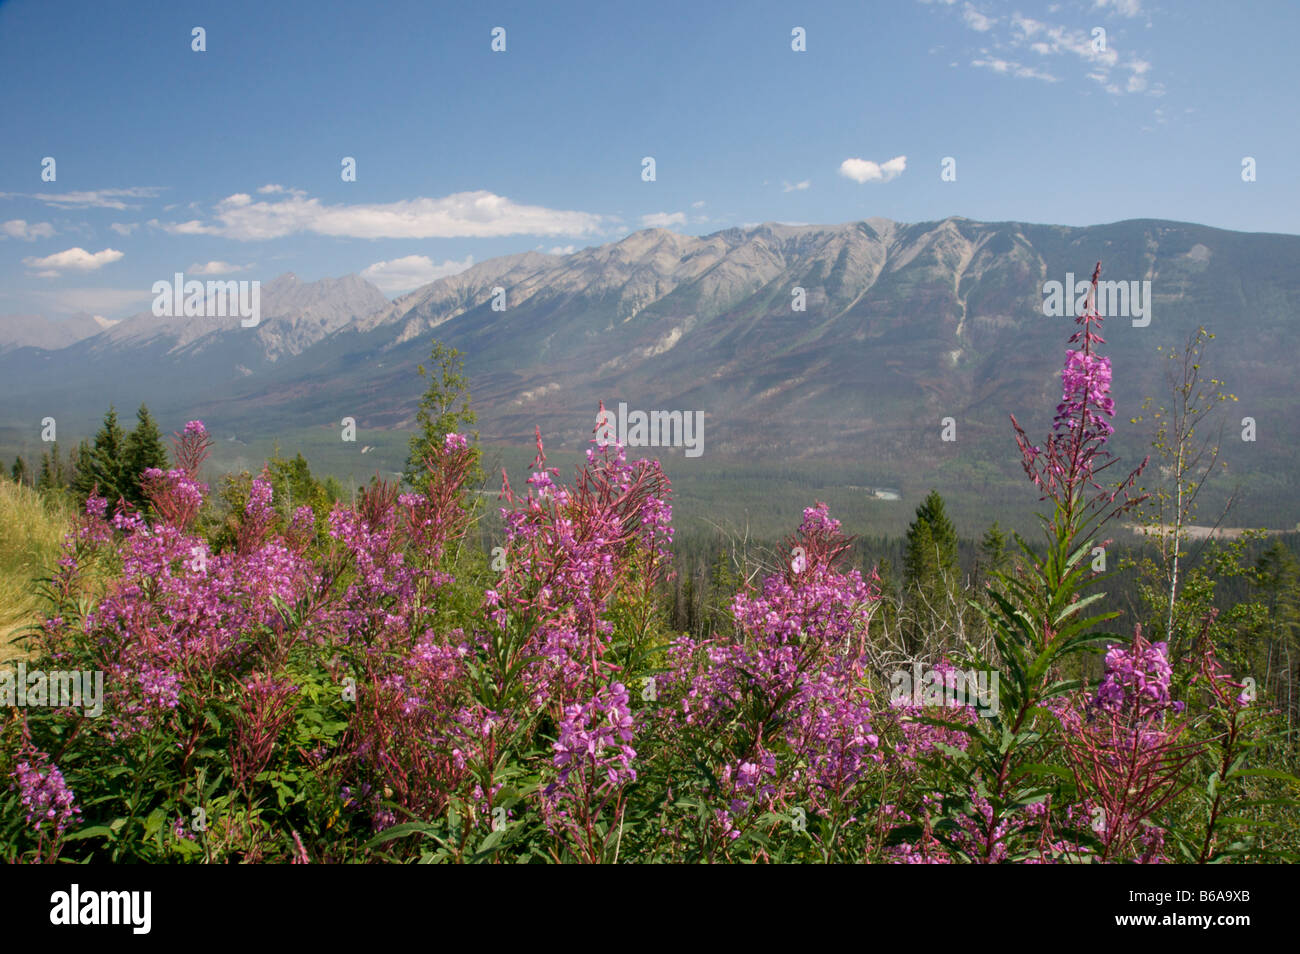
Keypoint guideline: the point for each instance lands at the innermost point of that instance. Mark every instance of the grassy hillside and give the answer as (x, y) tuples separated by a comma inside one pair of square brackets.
[(31, 531)]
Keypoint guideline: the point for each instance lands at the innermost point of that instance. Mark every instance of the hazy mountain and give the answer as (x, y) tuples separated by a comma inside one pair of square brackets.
[(904, 325), (294, 316), (178, 363), (37, 331)]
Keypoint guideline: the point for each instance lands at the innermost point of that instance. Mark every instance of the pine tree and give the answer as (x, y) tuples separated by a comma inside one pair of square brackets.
[(444, 409), (57, 467), (993, 549), (103, 466), (45, 479), (931, 544), (143, 449), (19, 472), (888, 618), (929, 572), (53, 475)]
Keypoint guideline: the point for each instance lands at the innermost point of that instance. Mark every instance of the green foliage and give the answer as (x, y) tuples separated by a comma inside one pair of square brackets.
[(113, 464), (53, 478), (292, 486), (444, 409), (142, 450), (930, 577), (993, 548), (931, 544), (101, 469)]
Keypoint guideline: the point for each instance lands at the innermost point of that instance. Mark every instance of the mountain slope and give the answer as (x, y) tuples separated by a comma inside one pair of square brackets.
[(904, 326)]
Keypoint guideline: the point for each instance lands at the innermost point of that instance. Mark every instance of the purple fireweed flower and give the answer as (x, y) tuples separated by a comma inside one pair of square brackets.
[(1137, 680), (43, 791), (594, 738), (1085, 387)]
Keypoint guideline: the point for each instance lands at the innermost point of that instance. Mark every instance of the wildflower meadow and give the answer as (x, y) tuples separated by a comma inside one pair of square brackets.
[(364, 682)]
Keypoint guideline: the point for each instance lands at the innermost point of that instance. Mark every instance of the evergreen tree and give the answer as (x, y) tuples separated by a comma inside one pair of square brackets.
[(59, 468), (103, 466), (79, 463), (45, 478), (993, 547), (443, 410), (929, 573), (931, 544), (19, 472), (53, 474), (143, 449), (993, 550)]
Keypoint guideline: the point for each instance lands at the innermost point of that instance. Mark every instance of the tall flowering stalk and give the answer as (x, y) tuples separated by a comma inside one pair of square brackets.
[(1238, 726), (1037, 616), (1066, 467)]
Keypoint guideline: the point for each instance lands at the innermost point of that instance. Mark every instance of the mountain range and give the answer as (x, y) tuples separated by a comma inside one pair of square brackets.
[(903, 325), (37, 331)]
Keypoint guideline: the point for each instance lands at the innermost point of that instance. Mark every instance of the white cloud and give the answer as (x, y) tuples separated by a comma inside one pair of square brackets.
[(976, 20), (97, 199), (192, 227), (478, 214), (124, 228), (864, 170), (662, 220), (1125, 8), (697, 205), (404, 274), (796, 187), (563, 249), (1012, 68), (1051, 40), (20, 229), (77, 259), (216, 268)]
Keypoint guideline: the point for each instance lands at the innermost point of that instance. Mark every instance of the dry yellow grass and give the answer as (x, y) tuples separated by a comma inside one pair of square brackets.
[(31, 532)]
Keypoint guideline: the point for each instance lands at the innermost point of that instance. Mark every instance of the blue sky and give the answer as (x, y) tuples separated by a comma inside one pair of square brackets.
[(227, 162)]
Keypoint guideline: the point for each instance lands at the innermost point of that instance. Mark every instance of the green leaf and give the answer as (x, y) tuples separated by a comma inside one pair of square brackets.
[(1267, 773), (399, 831)]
